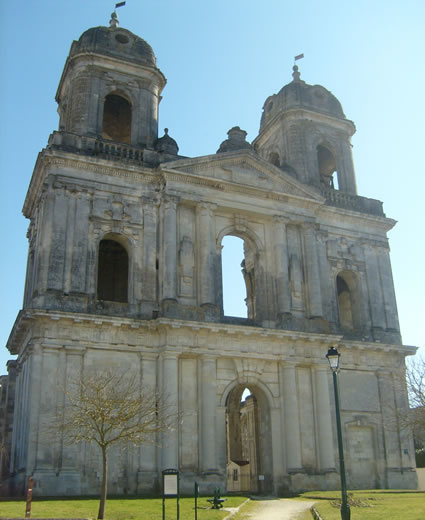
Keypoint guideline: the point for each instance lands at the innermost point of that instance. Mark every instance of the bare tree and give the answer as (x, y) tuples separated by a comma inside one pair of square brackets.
[(107, 408), (415, 378)]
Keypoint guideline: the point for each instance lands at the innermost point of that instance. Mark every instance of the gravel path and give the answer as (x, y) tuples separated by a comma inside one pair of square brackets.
[(278, 509)]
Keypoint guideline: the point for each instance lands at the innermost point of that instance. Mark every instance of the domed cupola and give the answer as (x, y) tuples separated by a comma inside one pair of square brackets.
[(304, 127), (110, 87), (115, 42)]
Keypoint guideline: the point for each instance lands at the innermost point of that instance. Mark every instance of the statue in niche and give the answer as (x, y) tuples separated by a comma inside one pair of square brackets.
[(186, 265), (296, 280), (249, 277)]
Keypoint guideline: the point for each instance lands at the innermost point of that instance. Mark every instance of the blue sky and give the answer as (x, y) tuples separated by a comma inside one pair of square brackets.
[(222, 59)]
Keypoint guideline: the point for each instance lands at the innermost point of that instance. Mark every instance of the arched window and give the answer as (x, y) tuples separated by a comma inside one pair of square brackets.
[(112, 275), (327, 167), (348, 300), (116, 119), (234, 288)]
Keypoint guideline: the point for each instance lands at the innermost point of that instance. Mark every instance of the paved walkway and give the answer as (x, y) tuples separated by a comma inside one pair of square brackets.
[(278, 509)]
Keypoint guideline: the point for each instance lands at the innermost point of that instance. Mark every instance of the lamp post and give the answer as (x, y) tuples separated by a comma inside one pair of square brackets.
[(333, 357)]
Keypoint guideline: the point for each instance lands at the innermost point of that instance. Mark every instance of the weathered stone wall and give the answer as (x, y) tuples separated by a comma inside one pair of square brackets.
[(199, 364)]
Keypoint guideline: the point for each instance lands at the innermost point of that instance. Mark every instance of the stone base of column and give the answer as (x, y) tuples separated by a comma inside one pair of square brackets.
[(208, 482), (323, 481), (210, 311), (284, 318), (406, 479), (169, 308), (148, 482), (52, 483)]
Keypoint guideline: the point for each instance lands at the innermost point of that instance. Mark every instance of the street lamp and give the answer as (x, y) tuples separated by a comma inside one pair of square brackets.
[(333, 357)]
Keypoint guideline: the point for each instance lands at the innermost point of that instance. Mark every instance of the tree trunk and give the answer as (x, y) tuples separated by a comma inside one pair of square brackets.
[(103, 491)]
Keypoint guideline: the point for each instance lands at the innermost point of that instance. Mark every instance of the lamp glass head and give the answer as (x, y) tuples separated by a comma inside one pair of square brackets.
[(333, 358)]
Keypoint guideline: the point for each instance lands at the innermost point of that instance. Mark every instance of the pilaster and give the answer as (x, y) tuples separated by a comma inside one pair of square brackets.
[(313, 275), (169, 249), (291, 421), (325, 444), (208, 413), (206, 253), (282, 273), (170, 438)]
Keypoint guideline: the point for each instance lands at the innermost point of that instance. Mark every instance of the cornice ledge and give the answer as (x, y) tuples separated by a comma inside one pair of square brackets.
[(48, 158), (407, 350), (249, 330), (387, 222)]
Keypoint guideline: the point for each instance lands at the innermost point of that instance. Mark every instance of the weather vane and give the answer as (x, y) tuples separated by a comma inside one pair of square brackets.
[(298, 57), (114, 17)]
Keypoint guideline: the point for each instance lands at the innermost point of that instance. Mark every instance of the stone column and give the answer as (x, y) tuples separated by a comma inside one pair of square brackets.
[(149, 279), (169, 247), (221, 441), (313, 275), (324, 419), (374, 287), (170, 439), (207, 252), (388, 289), (281, 259), (73, 365), (71, 220), (43, 240), (277, 447), (328, 295), (389, 425), (147, 452), (80, 243), (292, 434), (56, 270), (346, 168), (17, 422), (33, 403), (208, 414)]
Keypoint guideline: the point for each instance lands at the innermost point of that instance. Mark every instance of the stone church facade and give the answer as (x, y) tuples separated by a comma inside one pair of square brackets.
[(124, 272)]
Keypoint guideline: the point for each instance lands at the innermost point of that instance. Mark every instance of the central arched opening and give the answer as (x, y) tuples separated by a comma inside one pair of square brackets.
[(238, 280), (116, 119), (112, 273), (248, 460)]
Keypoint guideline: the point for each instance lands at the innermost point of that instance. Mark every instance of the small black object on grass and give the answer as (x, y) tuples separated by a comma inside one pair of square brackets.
[(216, 502)]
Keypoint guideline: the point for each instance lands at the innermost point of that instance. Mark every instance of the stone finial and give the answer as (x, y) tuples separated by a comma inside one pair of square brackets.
[(236, 141), (166, 144), (113, 22), (295, 74)]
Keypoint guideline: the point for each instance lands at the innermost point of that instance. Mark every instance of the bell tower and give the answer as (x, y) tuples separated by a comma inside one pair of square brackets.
[(304, 131), (110, 88), (125, 274)]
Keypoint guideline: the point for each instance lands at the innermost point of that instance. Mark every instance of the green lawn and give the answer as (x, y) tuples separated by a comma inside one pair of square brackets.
[(372, 505), (117, 508), (368, 505)]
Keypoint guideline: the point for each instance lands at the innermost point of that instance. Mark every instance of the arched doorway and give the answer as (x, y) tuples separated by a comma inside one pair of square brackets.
[(249, 457)]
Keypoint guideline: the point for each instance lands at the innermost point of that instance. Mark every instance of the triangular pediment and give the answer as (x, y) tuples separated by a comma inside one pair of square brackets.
[(243, 168)]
